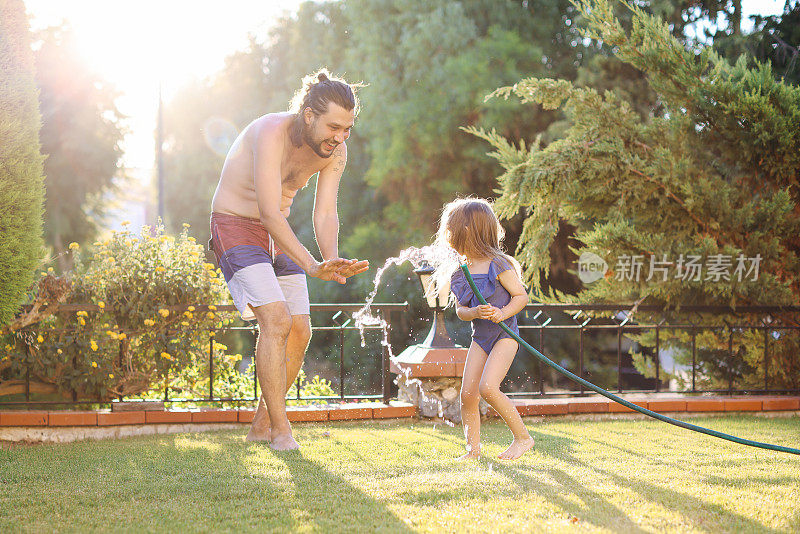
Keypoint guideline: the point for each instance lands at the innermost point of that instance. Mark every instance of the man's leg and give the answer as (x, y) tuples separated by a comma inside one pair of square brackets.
[(274, 324), (296, 346)]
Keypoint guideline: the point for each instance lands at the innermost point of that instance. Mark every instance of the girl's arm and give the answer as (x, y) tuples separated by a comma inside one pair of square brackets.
[(519, 297), (465, 313)]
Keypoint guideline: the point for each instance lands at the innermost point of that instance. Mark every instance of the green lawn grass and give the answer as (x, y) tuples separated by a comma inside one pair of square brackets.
[(607, 475)]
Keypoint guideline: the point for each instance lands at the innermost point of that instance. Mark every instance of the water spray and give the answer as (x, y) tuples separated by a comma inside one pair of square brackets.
[(620, 400)]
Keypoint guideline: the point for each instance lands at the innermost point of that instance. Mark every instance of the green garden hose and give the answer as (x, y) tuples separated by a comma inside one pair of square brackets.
[(620, 400)]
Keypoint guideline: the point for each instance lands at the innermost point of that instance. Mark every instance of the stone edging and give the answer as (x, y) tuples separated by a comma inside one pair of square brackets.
[(672, 403), (105, 418), (61, 426)]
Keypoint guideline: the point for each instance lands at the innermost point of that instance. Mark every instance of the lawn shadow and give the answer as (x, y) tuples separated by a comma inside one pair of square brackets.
[(593, 509), (332, 503), (690, 506), (227, 494), (165, 483)]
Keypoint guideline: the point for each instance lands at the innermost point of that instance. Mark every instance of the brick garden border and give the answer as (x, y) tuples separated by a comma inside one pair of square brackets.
[(27, 425)]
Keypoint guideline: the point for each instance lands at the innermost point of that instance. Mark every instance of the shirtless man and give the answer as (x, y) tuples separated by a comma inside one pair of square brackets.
[(264, 264)]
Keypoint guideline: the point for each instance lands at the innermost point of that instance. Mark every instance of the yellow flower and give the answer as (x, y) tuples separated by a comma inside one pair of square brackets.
[(191, 239), (125, 223), (122, 335), (149, 322), (210, 315), (110, 375), (190, 308), (105, 325), (160, 269), (8, 347), (94, 345), (60, 351), (188, 314), (39, 338), (82, 321), (166, 355), (184, 323), (74, 246), (163, 313), (112, 335), (212, 307), (101, 304), (209, 266), (94, 364), (49, 269)]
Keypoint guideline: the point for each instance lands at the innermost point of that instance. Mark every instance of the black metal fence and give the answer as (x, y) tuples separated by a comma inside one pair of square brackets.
[(538, 324), (539, 321), (339, 322)]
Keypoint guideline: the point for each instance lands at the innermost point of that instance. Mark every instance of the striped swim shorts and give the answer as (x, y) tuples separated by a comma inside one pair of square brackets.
[(256, 271)]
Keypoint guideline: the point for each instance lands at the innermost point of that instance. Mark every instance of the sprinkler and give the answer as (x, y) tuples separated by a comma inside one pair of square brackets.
[(620, 400)]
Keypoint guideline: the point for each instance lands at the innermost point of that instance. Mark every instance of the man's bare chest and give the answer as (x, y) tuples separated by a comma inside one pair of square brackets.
[(296, 177)]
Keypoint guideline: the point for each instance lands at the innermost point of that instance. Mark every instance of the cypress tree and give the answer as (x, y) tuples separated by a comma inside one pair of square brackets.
[(714, 177), (21, 163)]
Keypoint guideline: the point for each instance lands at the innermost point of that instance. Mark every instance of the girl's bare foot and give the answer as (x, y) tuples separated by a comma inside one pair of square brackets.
[(258, 435), (471, 454), (517, 449), (284, 442)]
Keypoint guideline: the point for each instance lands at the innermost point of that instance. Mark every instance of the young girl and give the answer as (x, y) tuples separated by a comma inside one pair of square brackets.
[(470, 227)]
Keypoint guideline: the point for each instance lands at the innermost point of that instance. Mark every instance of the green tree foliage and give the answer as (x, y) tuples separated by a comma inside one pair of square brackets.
[(21, 190), (81, 134), (716, 175), (429, 67)]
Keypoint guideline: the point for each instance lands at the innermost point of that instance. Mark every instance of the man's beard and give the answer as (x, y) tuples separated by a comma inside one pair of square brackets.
[(315, 145)]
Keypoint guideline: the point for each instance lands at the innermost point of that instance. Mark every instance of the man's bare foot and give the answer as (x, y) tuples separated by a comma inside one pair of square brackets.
[(259, 435), (517, 449), (284, 442)]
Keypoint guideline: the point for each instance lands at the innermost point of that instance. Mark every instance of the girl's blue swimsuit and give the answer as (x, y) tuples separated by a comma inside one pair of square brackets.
[(484, 332)]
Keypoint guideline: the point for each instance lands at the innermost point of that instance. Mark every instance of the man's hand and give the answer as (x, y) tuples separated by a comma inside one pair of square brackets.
[(355, 267), (338, 269), (328, 270)]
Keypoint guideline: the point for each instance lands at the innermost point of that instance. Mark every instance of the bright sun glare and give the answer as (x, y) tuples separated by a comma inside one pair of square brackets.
[(140, 45)]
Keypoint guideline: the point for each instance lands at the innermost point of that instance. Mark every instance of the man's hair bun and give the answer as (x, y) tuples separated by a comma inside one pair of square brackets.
[(322, 77)]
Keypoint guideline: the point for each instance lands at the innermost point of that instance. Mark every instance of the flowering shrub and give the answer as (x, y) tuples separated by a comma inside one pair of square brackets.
[(154, 299), (317, 387)]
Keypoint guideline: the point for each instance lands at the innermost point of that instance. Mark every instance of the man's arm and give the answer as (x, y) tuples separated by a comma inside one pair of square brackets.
[(326, 215)]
